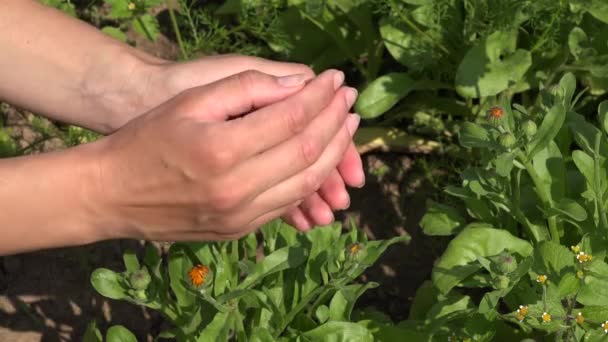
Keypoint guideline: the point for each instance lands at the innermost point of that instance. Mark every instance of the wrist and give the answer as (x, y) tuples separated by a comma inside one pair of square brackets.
[(116, 86)]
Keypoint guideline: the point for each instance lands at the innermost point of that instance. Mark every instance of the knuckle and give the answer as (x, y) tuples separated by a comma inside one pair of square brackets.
[(224, 199), (247, 79), (296, 119), (309, 150), (312, 183)]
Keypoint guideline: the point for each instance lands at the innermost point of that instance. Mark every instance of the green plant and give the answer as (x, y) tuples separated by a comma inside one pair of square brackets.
[(301, 289), (528, 256), (134, 13)]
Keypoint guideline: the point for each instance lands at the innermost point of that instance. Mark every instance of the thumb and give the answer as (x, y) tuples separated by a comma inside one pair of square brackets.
[(240, 94)]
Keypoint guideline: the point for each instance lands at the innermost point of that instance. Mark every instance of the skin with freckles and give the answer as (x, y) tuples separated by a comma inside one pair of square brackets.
[(67, 70)]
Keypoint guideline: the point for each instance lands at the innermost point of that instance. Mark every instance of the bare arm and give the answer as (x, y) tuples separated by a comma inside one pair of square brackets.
[(65, 69)]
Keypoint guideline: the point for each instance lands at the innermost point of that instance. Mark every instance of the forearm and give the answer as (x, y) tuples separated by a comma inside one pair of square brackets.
[(65, 69), (47, 200)]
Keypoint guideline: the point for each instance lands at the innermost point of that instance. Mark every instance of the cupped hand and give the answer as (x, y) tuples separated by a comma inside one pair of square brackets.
[(166, 80), (217, 161)]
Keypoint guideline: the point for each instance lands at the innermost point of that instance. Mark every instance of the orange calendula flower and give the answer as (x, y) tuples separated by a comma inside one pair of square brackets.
[(355, 248), (198, 274), (546, 317), (575, 248), (605, 327), (541, 279), (580, 319), (495, 114)]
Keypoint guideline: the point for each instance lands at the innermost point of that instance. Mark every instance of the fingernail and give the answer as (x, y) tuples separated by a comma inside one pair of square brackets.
[(351, 97), (347, 197), (292, 80), (352, 123), (338, 79)]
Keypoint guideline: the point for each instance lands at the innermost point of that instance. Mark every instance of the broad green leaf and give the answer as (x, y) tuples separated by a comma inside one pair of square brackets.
[(343, 302), (109, 283), (595, 312), (374, 250), (550, 167), (130, 260), (473, 135), (597, 8), (577, 41), (449, 305), (407, 46), (281, 259), (548, 130), (568, 84), (585, 165), (115, 32), (92, 334), (568, 285), (492, 66), (218, 329), (585, 133), (322, 313), (553, 260), (260, 334), (383, 332), (426, 296), (504, 164), (459, 259), (147, 25), (383, 93), (119, 9), (441, 220), (594, 291), (338, 332), (179, 264), (118, 333), (570, 209)]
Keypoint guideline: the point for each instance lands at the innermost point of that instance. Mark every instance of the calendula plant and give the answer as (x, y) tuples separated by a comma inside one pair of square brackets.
[(290, 287), (530, 228)]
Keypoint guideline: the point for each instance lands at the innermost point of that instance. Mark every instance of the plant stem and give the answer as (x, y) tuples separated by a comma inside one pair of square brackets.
[(598, 181), (519, 215), (178, 33), (542, 193)]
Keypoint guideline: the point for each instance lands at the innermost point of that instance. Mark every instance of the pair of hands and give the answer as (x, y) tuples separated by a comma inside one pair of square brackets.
[(226, 144)]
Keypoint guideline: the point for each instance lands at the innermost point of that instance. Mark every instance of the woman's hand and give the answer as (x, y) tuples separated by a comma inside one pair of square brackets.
[(156, 82), (183, 171)]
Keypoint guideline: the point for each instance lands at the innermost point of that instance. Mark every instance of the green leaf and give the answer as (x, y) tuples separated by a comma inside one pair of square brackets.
[(179, 264), (594, 291), (553, 260), (383, 93), (343, 302), (459, 259), (504, 164), (119, 9), (426, 296), (550, 167), (492, 66), (603, 115), (568, 285), (218, 329), (570, 209), (130, 259), (115, 32), (451, 304), (441, 220), (338, 332), (109, 283), (322, 313), (585, 133), (406, 45), (548, 129), (584, 163), (92, 334), (147, 25), (474, 135), (281, 259), (118, 333)]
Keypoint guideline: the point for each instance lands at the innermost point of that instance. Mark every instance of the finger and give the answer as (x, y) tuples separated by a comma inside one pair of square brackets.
[(317, 210), (213, 68), (351, 167), (333, 191), (309, 180), (296, 218), (278, 122), (299, 152), (236, 95)]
